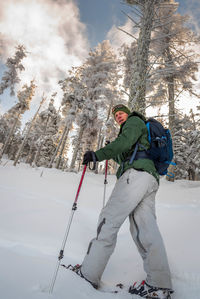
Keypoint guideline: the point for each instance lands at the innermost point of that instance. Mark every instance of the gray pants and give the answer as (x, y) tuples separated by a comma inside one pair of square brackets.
[(133, 196)]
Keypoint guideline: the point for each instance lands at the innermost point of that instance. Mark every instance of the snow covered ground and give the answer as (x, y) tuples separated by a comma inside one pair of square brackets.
[(35, 205)]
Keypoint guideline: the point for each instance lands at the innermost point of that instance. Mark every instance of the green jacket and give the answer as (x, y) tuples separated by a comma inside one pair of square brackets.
[(132, 131)]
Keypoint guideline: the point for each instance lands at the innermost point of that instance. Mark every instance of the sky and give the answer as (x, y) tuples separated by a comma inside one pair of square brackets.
[(100, 16), (58, 34)]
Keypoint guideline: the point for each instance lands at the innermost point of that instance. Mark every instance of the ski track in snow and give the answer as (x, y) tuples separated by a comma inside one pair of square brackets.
[(34, 211)]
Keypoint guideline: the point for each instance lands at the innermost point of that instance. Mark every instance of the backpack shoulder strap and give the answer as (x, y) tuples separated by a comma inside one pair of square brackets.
[(138, 114)]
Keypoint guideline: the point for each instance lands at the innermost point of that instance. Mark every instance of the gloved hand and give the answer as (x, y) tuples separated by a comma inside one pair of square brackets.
[(107, 142), (89, 157)]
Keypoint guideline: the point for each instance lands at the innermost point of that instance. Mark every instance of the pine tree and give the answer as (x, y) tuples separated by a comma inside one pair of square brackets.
[(24, 97), (137, 89), (27, 133), (44, 135), (14, 65), (73, 91), (174, 59), (86, 120), (4, 129), (99, 77), (128, 53), (169, 63), (187, 147), (11, 123)]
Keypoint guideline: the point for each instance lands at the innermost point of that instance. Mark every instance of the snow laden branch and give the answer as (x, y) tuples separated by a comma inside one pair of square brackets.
[(28, 132), (173, 43), (24, 96), (137, 88), (10, 77)]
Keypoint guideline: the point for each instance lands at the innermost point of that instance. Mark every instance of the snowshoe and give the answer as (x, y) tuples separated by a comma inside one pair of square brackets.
[(77, 270), (146, 291)]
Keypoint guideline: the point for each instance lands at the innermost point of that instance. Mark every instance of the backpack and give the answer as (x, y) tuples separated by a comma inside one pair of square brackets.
[(161, 148)]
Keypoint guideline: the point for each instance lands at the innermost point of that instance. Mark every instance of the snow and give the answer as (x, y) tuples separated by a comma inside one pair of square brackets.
[(35, 206)]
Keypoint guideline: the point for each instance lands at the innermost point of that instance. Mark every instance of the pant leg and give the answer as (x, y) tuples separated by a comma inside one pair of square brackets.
[(128, 192), (145, 232)]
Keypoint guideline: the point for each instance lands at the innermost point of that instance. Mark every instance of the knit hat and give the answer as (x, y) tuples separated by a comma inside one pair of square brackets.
[(120, 107)]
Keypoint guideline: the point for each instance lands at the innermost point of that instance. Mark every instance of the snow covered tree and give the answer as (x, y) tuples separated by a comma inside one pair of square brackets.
[(27, 133), (175, 60), (14, 65), (11, 123), (43, 137), (4, 129), (187, 147), (87, 119), (137, 89), (24, 96), (128, 53), (161, 63), (172, 64), (99, 77), (72, 102)]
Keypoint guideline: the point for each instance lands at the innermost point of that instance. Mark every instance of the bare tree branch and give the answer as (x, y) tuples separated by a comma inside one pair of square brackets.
[(137, 24), (137, 14), (127, 33)]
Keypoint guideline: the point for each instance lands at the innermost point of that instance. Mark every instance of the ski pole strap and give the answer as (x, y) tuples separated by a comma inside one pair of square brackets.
[(94, 162)]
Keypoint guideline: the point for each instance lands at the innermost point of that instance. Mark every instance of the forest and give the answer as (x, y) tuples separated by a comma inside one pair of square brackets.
[(156, 70)]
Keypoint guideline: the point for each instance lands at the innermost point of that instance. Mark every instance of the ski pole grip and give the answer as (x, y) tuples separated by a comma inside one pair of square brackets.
[(94, 162)]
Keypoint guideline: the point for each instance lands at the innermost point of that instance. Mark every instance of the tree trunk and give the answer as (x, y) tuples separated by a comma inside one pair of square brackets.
[(171, 104), (171, 107), (140, 70), (29, 154), (80, 135), (58, 147), (37, 155), (64, 165), (27, 134), (62, 149), (102, 137), (170, 87)]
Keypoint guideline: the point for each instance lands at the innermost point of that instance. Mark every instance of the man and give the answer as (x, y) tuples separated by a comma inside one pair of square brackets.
[(133, 196)]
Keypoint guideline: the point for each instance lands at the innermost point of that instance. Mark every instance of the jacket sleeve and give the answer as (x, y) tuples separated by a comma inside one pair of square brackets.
[(131, 132)]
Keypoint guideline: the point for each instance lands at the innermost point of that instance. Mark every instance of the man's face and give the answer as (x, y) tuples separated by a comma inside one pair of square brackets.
[(121, 117)]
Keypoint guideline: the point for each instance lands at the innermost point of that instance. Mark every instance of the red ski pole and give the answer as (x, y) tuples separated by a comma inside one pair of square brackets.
[(61, 254), (105, 182)]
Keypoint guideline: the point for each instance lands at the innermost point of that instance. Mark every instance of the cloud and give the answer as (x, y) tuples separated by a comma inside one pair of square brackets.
[(52, 33), (118, 38)]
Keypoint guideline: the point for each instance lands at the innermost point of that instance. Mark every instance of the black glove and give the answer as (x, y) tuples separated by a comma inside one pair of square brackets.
[(89, 156), (107, 142)]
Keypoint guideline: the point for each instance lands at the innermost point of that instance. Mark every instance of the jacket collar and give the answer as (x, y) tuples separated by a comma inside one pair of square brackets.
[(134, 113)]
